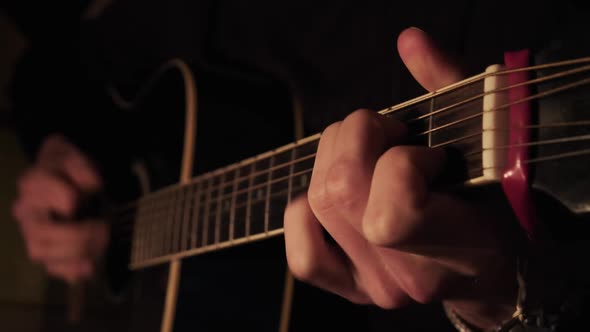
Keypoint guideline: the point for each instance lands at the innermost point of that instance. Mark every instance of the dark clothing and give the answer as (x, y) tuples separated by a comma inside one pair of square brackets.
[(333, 57)]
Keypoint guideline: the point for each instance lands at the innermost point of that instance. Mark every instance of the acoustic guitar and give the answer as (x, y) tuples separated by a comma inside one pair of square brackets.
[(523, 125)]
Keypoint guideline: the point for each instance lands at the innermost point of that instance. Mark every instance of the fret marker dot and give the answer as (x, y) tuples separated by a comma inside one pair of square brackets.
[(303, 180)]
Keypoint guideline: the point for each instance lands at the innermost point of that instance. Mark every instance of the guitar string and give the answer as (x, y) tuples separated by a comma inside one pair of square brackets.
[(127, 237), (504, 107), (214, 244), (394, 108), (450, 107), (535, 143), (132, 210), (481, 95), (477, 134), (223, 197), (501, 108), (478, 78), (531, 126)]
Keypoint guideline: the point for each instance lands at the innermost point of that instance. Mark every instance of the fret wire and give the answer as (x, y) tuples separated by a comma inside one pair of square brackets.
[(170, 221), (195, 217), (151, 243), (183, 217), (141, 231), (173, 221), (276, 167), (180, 218), (169, 234), (162, 222), (135, 241), (233, 205), (187, 210), (266, 183), (136, 229), (177, 222), (161, 228), (267, 200), (157, 211), (290, 184), (156, 242), (180, 214), (430, 121), (218, 216), (145, 231), (206, 214), (249, 200), (249, 203)]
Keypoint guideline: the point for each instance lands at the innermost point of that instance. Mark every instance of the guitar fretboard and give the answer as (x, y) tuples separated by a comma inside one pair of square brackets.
[(240, 203), (246, 201)]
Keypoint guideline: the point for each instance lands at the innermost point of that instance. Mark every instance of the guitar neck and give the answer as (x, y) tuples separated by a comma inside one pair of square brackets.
[(245, 202)]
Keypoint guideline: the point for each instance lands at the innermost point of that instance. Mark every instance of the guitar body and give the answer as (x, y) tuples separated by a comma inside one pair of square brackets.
[(242, 113), (230, 289), (239, 114)]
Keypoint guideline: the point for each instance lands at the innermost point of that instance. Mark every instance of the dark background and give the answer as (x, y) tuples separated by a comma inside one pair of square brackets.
[(333, 56)]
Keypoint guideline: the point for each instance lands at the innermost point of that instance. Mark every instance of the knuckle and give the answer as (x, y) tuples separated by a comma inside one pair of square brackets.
[(406, 176), (79, 235), (341, 187), (380, 229), (66, 197), (316, 195), (67, 201)]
